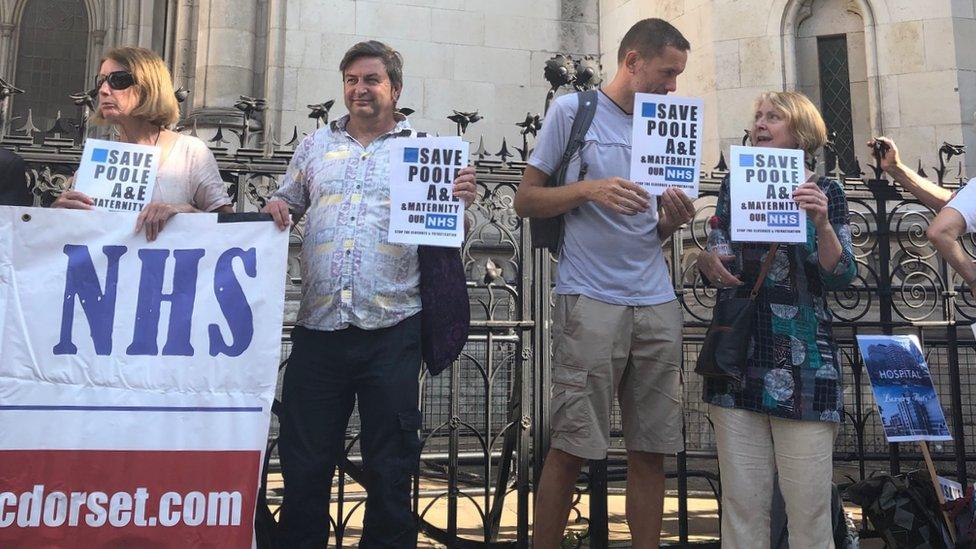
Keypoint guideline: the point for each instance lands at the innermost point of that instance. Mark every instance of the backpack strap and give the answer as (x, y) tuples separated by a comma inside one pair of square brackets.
[(548, 232), (577, 135)]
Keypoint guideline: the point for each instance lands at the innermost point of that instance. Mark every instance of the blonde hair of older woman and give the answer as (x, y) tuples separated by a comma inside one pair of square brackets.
[(804, 119), (153, 84)]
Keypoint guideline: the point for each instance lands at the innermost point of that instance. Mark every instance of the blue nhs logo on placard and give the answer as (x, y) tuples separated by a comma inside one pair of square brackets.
[(440, 222), (783, 219), (679, 175)]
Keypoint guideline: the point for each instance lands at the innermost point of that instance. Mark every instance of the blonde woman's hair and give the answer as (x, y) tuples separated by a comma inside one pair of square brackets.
[(153, 84), (803, 118)]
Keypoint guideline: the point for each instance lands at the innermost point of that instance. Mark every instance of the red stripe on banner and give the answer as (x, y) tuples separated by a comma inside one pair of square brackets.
[(145, 499)]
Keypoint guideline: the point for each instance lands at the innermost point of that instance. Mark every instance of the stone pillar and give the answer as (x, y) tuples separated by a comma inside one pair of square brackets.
[(225, 52), (7, 48), (96, 49), (184, 41), (130, 23), (274, 76)]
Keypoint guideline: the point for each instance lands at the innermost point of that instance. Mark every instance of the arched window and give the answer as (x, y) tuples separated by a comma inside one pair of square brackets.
[(51, 60), (832, 71)]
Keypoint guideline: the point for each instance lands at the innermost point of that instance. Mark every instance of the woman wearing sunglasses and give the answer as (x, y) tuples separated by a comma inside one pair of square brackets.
[(135, 94)]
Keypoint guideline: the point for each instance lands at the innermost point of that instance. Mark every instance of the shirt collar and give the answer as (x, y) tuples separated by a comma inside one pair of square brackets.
[(339, 125)]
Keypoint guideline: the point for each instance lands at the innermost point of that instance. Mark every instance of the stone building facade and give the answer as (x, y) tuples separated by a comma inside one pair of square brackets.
[(909, 63), (459, 54), (899, 67)]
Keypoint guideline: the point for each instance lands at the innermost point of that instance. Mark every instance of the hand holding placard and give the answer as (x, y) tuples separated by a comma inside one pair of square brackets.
[(813, 201), (618, 195), (424, 209), (761, 187)]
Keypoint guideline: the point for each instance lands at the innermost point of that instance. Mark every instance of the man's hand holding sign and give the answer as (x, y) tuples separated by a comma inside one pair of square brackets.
[(463, 188), (424, 202), (666, 143), (618, 195), (666, 153)]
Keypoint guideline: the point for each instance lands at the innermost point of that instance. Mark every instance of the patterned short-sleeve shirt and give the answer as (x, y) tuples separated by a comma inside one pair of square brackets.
[(793, 369), (351, 274)]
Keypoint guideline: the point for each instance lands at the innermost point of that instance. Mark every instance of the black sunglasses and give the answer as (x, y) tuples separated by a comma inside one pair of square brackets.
[(118, 80)]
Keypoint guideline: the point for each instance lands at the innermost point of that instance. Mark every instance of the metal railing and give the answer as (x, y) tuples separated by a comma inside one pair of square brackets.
[(486, 419)]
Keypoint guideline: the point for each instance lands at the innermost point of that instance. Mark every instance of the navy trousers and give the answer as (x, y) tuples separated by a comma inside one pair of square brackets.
[(326, 374)]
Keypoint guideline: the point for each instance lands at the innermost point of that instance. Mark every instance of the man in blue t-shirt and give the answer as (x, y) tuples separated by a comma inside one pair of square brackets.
[(617, 324)]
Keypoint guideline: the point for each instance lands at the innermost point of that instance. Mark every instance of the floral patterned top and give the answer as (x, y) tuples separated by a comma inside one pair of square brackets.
[(793, 368), (351, 274)]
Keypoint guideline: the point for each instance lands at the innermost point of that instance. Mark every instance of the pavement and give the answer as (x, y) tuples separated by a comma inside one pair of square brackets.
[(703, 522)]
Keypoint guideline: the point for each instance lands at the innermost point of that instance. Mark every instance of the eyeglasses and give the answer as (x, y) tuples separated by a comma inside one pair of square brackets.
[(118, 80)]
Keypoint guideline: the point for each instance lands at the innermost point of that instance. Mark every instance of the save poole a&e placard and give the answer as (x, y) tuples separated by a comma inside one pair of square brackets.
[(136, 379), (761, 188), (666, 144), (423, 209), (119, 177), (903, 390)]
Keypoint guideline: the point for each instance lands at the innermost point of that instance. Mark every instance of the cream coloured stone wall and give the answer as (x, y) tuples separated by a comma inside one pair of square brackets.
[(919, 83), (459, 54), (913, 72)]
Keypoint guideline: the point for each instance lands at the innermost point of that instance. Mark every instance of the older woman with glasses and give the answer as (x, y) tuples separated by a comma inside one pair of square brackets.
[(135, 94)]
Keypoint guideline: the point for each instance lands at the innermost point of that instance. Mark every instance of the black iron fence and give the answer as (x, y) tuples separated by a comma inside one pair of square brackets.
[(486, 419)]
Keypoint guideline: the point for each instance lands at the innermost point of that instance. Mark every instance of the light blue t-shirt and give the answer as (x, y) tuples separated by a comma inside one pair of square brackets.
[(606, 256)]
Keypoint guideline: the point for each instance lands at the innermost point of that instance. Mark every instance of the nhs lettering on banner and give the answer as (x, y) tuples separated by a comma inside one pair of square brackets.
[(135, 373), (83, 288)]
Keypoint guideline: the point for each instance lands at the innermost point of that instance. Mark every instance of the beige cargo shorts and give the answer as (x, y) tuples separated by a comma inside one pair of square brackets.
[(600, 349)]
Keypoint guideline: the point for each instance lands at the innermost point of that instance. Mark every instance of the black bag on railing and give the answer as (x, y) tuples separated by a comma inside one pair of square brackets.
[(726, 344), (547, 232)]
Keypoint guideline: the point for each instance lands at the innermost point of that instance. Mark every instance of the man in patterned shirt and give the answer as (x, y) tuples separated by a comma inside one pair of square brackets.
[(358, 330)]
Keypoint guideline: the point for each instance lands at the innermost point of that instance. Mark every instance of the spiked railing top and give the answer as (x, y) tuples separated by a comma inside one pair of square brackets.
[(7, 89), (320, 111), (589, 73), (560, 71), (464, 119)]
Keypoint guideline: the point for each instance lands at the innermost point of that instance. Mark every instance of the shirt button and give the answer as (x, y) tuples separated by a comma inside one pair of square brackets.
[(365, 156), (353, 218)]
